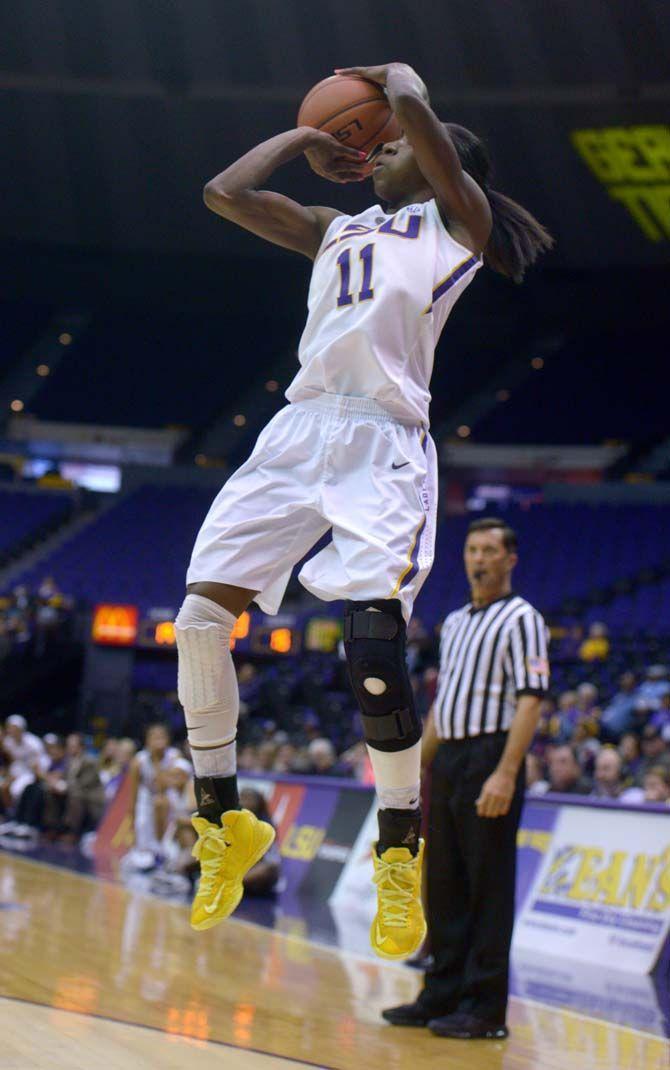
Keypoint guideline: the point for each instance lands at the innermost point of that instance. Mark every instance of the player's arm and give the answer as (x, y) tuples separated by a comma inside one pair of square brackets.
[(460, 199), (234, 194)]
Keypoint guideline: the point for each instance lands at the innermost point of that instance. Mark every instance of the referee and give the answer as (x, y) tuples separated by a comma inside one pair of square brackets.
[(493, 672)]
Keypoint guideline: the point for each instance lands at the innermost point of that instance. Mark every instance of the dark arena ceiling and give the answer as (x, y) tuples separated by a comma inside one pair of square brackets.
[(114, 114)]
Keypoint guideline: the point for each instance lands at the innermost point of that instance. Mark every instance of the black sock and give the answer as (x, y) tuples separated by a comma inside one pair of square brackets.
[(215, 795), (399, 828)]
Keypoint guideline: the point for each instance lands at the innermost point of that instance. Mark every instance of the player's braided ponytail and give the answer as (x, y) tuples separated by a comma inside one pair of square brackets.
[(517, 239)]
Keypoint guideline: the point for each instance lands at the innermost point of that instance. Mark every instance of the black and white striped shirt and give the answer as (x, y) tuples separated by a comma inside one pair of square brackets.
[(488, 657)]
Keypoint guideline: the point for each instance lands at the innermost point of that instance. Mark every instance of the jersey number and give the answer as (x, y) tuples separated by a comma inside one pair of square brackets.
[(366, 291)]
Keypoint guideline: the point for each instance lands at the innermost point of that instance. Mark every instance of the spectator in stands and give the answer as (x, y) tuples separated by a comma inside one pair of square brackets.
[(587, 702), (126, 752), (661, 719), (311, 726), (266, 755), (30, 807), (113, 764), (596, 646), (655, 787), (247, 757), (585, 742), (549, 725), (50, 609), (654, 751), (643, 710), (286, 758), (617, 716), (26, 756), (108, 761), (75, 798), (655, 685), (629, 749), (565, 774), (535, 782), (567, 714), (608, 780), (323, 758)]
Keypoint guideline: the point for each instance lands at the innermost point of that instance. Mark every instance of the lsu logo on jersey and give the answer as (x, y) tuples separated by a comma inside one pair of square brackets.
[(408, 229)]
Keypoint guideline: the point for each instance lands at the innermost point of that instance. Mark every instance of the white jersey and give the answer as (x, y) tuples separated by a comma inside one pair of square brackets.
[(24, 754), (381, 290), (172, 759)]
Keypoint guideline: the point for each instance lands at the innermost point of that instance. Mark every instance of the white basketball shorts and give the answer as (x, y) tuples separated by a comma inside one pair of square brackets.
[(332, 463)]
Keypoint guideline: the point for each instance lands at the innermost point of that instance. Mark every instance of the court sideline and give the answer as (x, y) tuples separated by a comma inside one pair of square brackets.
[(106, 961)]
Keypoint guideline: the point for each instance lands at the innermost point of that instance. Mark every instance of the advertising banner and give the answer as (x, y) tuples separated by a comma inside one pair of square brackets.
[(602, 892), (593, 884), (318, 821)]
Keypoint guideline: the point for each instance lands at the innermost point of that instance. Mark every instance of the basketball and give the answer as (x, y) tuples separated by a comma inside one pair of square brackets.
[(352, 109)]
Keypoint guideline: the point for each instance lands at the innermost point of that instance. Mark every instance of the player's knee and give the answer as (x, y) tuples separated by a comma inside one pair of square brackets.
[(374, 641), (202, 632), (198, 611)]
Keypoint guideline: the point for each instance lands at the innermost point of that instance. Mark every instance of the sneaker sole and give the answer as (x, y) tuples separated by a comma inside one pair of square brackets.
[(499, 1034), (418, 1023), (209, 923), (401, 956)]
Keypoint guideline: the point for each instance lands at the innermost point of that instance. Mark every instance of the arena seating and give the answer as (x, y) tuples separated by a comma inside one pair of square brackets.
[(25, 516), (646, 608), (139, 549), (136, 552), (566, 552)]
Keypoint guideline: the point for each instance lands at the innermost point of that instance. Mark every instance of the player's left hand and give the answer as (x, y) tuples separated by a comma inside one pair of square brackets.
[(380, 74), (496, 795), (373, 74)]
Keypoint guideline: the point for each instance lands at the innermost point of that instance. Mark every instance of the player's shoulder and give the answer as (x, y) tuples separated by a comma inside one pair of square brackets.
[(447, 237)]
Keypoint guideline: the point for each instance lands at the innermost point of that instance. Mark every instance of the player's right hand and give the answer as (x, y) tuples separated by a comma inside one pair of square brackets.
[(330, 159)]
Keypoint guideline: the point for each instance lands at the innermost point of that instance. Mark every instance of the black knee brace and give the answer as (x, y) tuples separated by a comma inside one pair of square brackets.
[(375, 647)]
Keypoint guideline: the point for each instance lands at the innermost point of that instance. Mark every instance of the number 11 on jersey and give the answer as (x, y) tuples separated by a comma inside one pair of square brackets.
[(366, 291)]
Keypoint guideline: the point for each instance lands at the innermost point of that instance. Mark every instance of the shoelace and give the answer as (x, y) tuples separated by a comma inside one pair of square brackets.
[(395, 899), (210, 868)]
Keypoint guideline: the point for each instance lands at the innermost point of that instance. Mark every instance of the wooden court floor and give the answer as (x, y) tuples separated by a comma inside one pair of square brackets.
[(93, 975)]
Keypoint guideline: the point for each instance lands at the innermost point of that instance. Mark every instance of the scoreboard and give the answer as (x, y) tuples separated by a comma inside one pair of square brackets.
[(123, 625)]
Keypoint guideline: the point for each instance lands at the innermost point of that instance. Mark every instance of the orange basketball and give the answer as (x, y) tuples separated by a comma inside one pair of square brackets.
[(354, 110)]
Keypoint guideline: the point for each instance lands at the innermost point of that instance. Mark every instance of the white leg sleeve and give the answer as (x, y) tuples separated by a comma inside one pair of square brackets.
[(207, 684), (397, 777)]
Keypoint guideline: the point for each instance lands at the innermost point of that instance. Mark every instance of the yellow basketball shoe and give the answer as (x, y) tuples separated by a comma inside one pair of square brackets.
[(226, 853), (399, 927)]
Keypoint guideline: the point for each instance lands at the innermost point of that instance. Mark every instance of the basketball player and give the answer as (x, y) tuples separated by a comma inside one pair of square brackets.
[(158, 775), (350, 454)]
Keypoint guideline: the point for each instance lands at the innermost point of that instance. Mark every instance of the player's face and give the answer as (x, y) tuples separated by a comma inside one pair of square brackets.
[(396, 173), (157, 739)]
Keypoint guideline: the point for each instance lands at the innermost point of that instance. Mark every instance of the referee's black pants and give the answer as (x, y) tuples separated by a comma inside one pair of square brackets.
[(471, 872)]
